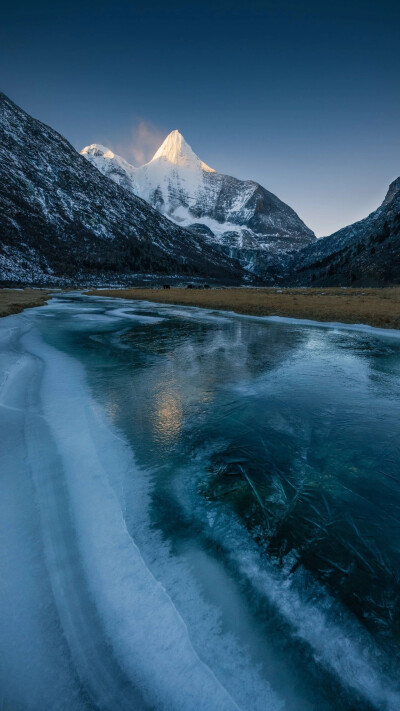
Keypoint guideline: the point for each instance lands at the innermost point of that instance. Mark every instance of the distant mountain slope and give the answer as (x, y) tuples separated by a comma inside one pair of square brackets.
[(239, 216), (61, 219), (366, 253)]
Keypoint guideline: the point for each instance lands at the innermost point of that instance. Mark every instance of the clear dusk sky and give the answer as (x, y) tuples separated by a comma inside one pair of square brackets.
[(303, 97)]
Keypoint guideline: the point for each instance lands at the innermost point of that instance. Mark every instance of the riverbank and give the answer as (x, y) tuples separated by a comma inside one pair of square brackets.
[(12, 301), (375, 307)]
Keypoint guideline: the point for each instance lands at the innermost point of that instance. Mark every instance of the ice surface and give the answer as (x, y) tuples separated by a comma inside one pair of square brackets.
[(344, 648), (129, 645), (35, 668), (112, 597), (146, 632)]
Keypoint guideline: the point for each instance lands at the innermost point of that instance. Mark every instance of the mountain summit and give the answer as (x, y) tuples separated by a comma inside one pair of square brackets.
[(175, 150), (240, 217)]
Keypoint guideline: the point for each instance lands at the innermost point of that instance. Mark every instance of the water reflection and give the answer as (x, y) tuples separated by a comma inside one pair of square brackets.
[(293, 432), (167, 413)]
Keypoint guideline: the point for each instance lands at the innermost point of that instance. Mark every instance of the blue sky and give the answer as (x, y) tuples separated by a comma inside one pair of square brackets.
[(303, 97)]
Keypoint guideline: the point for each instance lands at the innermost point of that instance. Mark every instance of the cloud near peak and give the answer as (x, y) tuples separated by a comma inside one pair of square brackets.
[(146, 139)]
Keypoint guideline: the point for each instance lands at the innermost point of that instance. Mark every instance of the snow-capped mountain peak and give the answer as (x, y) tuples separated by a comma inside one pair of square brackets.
[(238, 216), (97, 150), (61, 220), (175, 150), (113, 166)]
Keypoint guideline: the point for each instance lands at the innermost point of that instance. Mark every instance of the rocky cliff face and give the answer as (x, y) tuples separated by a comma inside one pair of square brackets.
[(366, 253), (61, 219), (239, 217)]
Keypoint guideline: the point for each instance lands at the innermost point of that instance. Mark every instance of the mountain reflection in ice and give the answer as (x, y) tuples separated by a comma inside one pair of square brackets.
[(167, 413), (197, 511)]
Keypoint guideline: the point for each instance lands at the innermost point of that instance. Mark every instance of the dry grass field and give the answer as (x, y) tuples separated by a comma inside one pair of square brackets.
[(12, 301), (376, 307)]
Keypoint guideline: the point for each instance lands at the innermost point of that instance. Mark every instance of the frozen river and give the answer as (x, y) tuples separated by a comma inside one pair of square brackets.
[(198, 512)]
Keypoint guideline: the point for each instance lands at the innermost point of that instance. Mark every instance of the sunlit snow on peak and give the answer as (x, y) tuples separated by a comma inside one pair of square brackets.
[(96, 149), (176, 151), (239, 215)]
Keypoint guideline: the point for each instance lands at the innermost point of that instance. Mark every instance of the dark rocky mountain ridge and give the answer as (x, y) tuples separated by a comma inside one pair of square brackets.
[(63, 221), (366, 253)]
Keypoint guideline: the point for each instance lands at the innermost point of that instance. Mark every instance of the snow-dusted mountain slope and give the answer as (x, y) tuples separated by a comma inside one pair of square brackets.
[(366, 253), (238, 215), (60, 218), (114, 167)]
